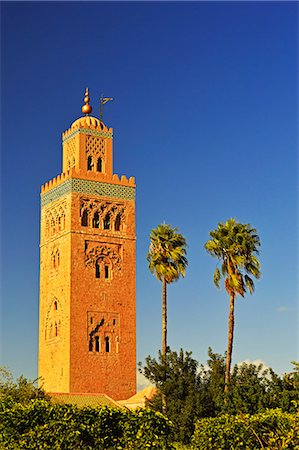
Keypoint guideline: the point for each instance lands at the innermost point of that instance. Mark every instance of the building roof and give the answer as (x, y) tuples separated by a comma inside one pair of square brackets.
[(82, 400), (139, 400)]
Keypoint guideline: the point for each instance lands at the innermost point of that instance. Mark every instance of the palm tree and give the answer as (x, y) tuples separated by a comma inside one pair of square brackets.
[(235, 245), (167, 261)]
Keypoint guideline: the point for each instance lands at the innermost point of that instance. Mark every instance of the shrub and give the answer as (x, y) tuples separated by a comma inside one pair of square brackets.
[(271, 430), (41, 424)]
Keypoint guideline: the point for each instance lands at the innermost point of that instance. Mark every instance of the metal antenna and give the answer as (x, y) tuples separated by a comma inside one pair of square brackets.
[(103, 101)]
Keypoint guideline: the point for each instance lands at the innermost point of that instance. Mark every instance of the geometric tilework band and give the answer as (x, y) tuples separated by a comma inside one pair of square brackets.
[(87, 187), (104, 134)]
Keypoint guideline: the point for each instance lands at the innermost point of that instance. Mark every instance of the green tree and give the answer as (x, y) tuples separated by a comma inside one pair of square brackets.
[(168, 262), (177, 378), (235, 245), (21, 391), (212, 384)]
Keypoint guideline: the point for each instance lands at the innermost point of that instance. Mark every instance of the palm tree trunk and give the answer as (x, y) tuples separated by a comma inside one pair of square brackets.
[(164, 318), (231, 324), (164, 335)]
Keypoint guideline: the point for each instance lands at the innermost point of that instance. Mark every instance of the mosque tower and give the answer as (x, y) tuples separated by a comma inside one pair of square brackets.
[(87, 324)]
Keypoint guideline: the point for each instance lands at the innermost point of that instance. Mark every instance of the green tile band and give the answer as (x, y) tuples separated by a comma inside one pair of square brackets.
[(104, 134), (87, 187)]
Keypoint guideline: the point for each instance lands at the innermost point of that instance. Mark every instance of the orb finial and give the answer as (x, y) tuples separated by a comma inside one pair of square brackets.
[(86, 109)]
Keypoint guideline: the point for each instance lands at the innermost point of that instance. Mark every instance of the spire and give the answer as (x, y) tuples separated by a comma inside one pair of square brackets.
[(86, 109)]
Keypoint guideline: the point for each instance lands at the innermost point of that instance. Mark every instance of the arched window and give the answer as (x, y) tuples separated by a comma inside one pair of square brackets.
[(107, 272), (117, 222), (107, 222), (89, 163), (98, 273), (84, 219), (97, 339), (107, 344), (96, 220), (99, 165), (90, 346)]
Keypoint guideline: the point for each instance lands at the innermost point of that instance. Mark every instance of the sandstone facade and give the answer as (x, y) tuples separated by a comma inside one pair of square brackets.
[(87, 335)]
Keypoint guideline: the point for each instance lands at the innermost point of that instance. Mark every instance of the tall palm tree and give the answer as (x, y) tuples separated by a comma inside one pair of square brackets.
[(168, 262), (235, 245)]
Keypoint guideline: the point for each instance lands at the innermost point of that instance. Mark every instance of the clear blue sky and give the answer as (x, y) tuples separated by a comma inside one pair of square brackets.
[(205, 116)]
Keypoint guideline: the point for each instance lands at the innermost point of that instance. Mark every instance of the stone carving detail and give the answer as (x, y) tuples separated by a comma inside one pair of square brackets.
[(95, 146), (70, 149), (116, 213), (55, 219), (53, 320), (55, 258), (103, 331), (99, 252)]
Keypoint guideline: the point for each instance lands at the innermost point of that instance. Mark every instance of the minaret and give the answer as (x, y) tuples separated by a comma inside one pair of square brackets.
[(87, 325)]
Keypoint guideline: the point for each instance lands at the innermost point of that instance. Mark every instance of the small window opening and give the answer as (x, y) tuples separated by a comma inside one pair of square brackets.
[(89, 163), (97, 339), (106, 272), (91, 320), (107, 222), (55, 306), (84, 220), (107, 344), (58, 259), (114, 321), (56, 330), (99, 165), (59, 223), (90, 346), (117, 223), (97, 270), (96, 220)]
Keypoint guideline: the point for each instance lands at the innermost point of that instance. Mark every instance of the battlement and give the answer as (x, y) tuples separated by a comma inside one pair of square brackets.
[(94, 125), (87, 175)]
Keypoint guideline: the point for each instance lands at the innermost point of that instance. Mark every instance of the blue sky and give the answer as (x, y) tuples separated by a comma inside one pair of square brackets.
[(205, 116)]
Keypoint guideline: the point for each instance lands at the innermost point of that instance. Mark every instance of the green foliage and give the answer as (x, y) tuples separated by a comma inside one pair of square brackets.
[(42, 425), (22, 390), (167, 252), (177, 378), (193, 394), (271, 430), (235, 245), (212, 384)]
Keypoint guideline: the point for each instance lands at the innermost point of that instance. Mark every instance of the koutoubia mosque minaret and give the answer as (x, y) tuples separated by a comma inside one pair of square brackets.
[(87, 324)]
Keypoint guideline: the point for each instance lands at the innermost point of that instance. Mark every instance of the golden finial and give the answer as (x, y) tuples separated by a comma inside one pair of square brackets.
[(86, 109)]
